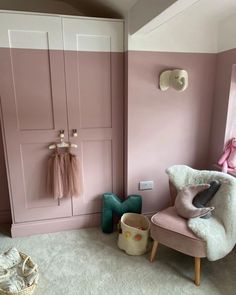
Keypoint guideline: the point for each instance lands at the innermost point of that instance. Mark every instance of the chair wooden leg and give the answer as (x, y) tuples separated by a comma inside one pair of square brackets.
[(197, 271), (154, 251)]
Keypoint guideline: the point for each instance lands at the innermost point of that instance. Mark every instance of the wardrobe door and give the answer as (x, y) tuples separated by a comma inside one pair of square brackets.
[(94, 84), (33, 101)]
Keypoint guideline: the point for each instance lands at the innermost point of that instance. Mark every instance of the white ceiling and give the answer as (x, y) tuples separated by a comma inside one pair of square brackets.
[(121, 6), (99, 8), (102, 8), (214, 9)]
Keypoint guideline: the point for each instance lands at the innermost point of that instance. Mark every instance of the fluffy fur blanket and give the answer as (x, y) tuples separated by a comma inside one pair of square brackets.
[(219, 231)]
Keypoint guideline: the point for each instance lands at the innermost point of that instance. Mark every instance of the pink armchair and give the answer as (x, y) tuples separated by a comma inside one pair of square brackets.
[(171, 230)]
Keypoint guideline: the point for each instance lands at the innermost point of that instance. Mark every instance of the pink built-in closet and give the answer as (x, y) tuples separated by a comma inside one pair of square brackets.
[(60, 73)]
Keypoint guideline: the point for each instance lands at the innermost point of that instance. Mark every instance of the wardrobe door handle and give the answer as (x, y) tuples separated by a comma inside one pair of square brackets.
[(62, 133), (74, 133)]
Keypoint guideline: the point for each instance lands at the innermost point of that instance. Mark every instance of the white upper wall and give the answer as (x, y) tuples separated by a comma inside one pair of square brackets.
[(227, 34), (205, 26), (30, 30), (196, 29)]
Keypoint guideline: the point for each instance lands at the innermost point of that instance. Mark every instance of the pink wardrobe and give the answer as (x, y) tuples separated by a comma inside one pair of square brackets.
[(60, 73)]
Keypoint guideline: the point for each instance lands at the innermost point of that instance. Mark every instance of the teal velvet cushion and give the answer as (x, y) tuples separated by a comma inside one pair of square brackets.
[(113, 205)]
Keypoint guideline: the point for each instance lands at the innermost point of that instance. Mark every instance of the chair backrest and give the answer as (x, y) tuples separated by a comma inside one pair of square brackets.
[(182, 175)]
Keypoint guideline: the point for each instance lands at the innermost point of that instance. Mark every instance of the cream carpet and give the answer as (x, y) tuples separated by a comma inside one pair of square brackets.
[(88, 262)]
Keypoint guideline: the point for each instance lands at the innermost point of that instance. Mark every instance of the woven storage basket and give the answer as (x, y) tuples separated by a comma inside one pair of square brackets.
[(29, 290), (134, 233)]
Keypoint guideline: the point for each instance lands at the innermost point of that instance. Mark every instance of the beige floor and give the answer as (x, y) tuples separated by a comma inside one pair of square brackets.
[(87, 262)]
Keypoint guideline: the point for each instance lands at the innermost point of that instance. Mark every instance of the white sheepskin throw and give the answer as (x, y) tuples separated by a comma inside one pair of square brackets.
[(219, 231)]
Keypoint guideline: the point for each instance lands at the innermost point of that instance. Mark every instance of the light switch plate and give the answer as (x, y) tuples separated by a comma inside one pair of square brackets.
[(146, 185)]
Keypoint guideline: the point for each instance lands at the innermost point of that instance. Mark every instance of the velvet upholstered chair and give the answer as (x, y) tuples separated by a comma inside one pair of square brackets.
[(171, 230)]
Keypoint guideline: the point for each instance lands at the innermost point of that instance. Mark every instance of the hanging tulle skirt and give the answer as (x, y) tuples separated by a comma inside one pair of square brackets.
[(63, 179)]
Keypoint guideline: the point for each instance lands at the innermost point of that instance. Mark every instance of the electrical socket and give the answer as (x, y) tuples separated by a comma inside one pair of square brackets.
[(146, 185)]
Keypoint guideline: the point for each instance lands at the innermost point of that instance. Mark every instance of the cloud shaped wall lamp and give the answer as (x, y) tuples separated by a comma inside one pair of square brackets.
[(176, 79)]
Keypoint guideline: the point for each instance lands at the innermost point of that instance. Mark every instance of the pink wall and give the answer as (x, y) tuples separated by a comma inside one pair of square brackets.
[(166, 128), (5, 214), (221, 127)]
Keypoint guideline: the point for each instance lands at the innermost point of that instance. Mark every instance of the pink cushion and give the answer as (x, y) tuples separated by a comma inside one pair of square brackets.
[(169, 229)]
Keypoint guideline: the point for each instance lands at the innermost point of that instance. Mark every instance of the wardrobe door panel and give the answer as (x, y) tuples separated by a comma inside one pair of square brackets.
[(94, 79), (33, 90), (34, 163), (97, 171), (95, 113), (33, 102)]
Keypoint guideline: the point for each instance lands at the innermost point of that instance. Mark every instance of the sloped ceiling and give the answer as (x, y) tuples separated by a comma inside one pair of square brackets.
[(103, 8), (99, 8), (207, 11), (44, 6)]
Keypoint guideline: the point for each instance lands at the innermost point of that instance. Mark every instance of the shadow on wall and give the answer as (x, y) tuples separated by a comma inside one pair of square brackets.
[(5, 215), (83, 7), (94, 8)]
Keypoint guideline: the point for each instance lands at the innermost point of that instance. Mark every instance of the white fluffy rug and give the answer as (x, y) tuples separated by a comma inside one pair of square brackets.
[(87, 262)]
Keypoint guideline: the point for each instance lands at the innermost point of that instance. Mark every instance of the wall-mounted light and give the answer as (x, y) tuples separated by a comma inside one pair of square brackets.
[(177, 79)]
